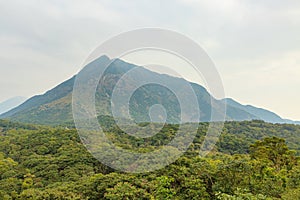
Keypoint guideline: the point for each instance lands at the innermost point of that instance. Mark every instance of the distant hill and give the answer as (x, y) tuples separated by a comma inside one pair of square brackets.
[(55, 106), (11, 103), (260, 113)]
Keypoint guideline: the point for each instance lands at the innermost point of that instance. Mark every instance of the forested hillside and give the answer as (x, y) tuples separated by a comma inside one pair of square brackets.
[(55, 106), (251, 161)]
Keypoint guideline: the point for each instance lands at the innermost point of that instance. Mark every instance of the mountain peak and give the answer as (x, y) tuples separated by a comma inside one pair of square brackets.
[(55, 106)]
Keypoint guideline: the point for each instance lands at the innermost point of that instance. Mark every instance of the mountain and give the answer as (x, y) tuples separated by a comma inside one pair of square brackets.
[(11, 103), (55, 106), (260, 113)]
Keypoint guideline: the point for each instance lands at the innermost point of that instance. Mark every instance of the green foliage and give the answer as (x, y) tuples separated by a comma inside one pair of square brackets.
[(125, 190), (241, 195), (38, 162), (163, 189), (275, 150), (291, 194)]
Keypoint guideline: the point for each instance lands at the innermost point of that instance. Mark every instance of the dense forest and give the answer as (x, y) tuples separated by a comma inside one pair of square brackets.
[(252, 160)]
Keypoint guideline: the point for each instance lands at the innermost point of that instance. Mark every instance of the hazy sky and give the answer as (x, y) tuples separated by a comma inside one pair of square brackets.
[(255, 44)]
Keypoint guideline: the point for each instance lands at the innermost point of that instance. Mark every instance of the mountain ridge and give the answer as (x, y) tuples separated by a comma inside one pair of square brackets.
[(261, 113), (55, 105), (11, 103)]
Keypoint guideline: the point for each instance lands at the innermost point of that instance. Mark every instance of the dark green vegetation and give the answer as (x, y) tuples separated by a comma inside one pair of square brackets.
[(249, 162), (54, 107)]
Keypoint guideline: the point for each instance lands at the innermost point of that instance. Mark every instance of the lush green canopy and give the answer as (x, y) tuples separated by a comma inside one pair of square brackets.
[(252, 160)]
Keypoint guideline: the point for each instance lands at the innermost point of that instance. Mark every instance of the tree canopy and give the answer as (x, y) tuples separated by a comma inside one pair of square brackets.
[(252, 160)]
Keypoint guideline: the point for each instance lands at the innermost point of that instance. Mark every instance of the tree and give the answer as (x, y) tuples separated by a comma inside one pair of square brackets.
[(275, 150), (163, 188), (126, 191)]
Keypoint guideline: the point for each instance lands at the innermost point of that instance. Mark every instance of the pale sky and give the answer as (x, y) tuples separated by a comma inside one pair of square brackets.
[(255, 44)]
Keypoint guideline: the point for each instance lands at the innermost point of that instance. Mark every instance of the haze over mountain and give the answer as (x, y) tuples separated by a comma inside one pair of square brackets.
[(11, 103), (55, 106), (260, 113)]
